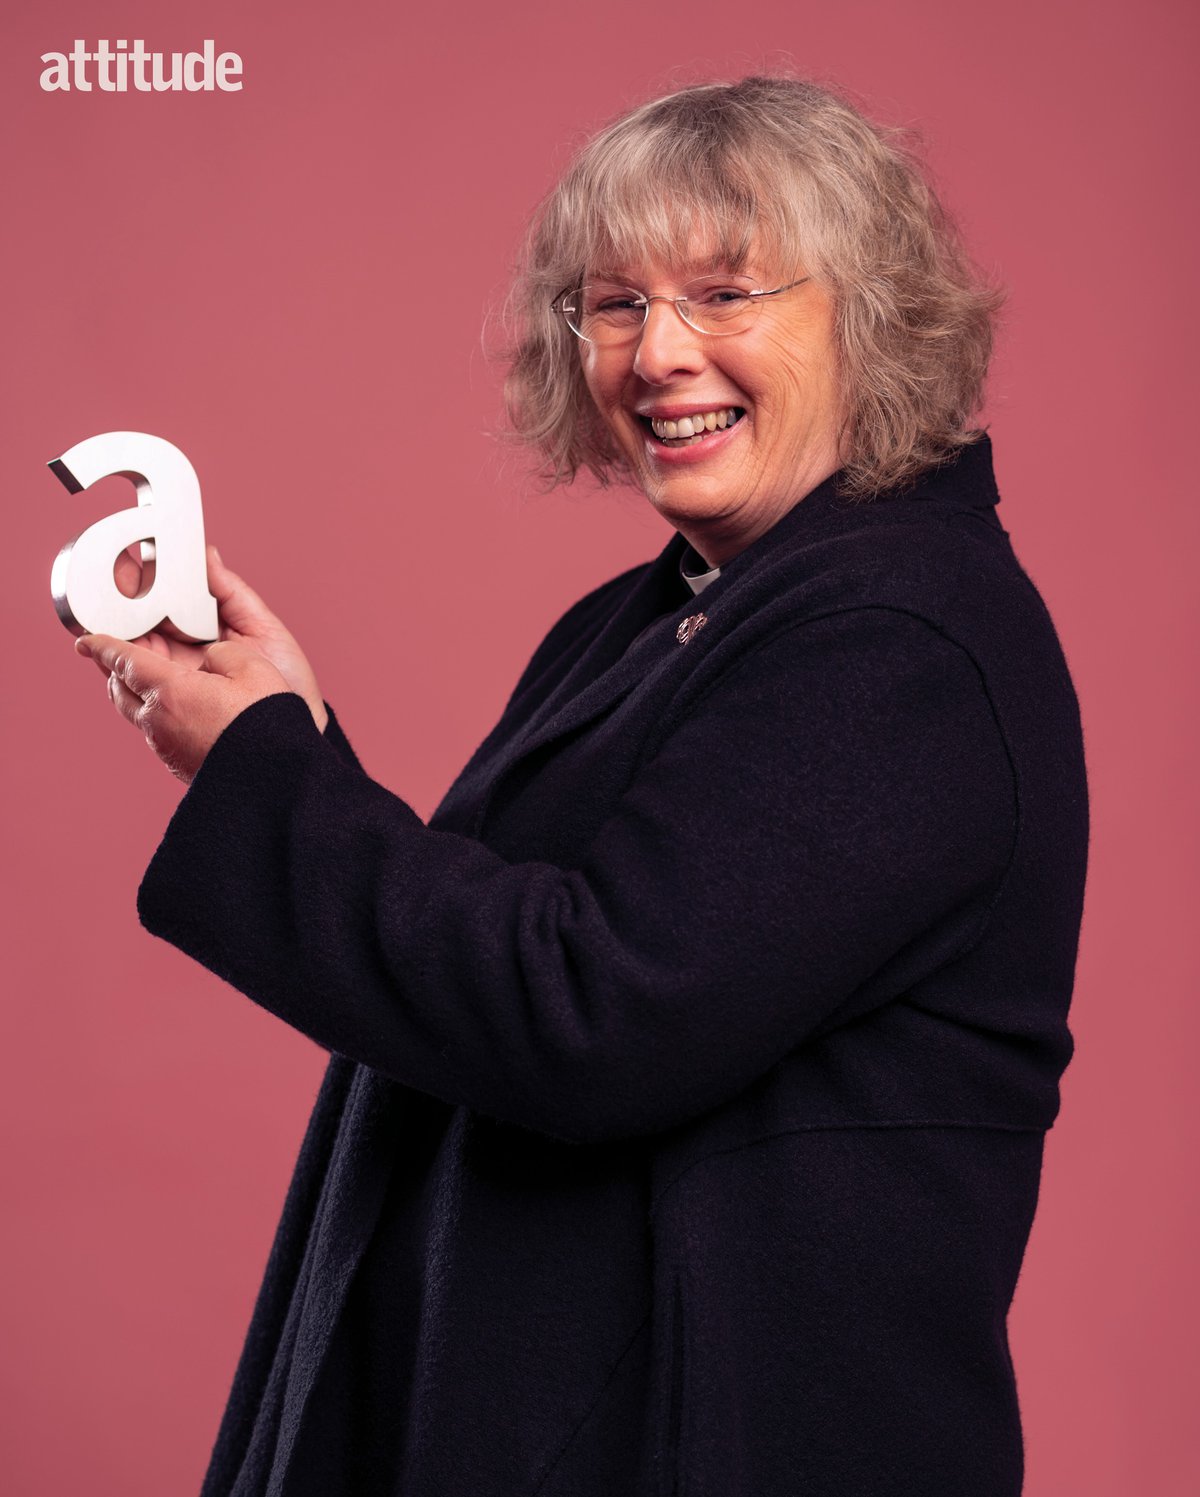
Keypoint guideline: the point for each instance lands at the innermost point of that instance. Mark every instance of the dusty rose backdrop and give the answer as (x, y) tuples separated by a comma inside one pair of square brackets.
[(289, 283)]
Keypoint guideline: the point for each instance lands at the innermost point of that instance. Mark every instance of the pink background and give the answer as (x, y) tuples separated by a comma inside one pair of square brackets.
[(290, 283)]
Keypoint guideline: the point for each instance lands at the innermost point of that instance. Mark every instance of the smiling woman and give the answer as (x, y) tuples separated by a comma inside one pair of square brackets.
[(689, 1071), (776, 179), (765, 371)]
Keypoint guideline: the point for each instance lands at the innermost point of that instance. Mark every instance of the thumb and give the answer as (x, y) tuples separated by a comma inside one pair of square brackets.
[(241, 607), (242, 663)]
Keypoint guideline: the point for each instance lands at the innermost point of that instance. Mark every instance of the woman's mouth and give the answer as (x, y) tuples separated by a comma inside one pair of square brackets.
[(692, 431)]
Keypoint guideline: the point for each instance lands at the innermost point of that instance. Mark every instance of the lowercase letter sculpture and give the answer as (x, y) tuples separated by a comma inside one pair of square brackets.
[(167, 522)]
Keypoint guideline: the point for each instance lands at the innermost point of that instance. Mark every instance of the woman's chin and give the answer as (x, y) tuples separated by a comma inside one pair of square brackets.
[(693, 501)]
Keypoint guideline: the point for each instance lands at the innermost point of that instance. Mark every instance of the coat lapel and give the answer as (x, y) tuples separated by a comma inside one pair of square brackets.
[(626, 650), (638, 634), (607, 670)]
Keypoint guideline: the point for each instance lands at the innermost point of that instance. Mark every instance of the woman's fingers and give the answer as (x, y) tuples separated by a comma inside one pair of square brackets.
[(182, 651), (152, 641), (246, 622), (104, 670), (135, 672), (127, 574), (136, 667), (240, 606), (241, 609), (181, 711), (156, 642), (127, 702)]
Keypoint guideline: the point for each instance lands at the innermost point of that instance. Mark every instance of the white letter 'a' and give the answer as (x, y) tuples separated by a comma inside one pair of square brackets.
[(57, 75), (168, 522)]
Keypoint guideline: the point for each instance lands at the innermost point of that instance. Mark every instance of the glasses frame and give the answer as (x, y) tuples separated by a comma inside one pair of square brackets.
[(678, 302)]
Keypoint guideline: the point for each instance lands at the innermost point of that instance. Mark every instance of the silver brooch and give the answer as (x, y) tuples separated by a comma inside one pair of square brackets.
[(691, 627)]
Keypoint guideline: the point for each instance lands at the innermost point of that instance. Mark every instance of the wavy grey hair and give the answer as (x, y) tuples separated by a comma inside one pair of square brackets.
[(793, 171)]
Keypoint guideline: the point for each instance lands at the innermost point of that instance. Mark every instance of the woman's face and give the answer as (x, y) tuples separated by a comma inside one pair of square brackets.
[(726, 490)]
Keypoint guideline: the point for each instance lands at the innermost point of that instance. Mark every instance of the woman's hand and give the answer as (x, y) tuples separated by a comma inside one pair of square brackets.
[(180, 708), (244, 619)]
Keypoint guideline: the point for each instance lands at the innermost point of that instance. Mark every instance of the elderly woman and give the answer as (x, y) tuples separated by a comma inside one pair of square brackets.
[(690, 1070)]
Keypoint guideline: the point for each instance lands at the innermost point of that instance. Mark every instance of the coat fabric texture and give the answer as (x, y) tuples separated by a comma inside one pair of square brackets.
[(690, 1070)]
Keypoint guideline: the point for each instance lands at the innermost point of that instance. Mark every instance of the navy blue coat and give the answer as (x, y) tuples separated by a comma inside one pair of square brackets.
[(690, 1070)]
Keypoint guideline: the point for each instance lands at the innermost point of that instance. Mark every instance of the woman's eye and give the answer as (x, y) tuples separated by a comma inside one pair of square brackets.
[(719, 296)]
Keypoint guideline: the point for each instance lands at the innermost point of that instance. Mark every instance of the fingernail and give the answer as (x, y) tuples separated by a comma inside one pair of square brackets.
[(83, 648), (217, 554)]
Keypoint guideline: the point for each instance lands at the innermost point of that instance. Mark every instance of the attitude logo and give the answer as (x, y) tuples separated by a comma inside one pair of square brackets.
[(116, 70)]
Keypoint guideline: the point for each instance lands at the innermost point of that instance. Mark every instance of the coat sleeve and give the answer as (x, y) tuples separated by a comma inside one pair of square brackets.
[(835, 794), (335, 735)]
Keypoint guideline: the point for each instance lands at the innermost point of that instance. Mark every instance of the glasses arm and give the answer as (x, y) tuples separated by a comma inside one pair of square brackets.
[(778, 289)]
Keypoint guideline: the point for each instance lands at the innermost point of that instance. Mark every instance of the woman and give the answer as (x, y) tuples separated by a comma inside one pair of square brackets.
[(690, 1070)]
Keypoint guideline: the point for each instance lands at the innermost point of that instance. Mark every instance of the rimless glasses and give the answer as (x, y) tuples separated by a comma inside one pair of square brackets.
[(607, 312)]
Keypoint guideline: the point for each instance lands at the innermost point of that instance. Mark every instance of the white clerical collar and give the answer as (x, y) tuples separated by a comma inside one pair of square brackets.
[(696, 580)]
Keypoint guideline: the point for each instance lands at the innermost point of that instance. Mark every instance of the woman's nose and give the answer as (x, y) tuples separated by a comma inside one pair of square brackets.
[(667, 345)]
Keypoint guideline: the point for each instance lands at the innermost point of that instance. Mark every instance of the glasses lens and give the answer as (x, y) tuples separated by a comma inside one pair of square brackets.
[(605, 312), (721, 304)]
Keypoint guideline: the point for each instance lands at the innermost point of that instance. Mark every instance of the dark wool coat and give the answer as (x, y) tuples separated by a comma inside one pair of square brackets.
[(690, 1070)]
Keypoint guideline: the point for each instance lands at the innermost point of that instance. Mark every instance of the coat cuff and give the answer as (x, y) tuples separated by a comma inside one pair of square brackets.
[(241, 793), (335, 734)]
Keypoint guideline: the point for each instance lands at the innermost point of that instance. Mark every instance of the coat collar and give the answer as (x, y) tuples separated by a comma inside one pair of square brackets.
[(964, 481), (650, 621)]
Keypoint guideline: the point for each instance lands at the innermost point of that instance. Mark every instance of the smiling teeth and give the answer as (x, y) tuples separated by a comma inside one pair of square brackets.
[(694, 426)]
